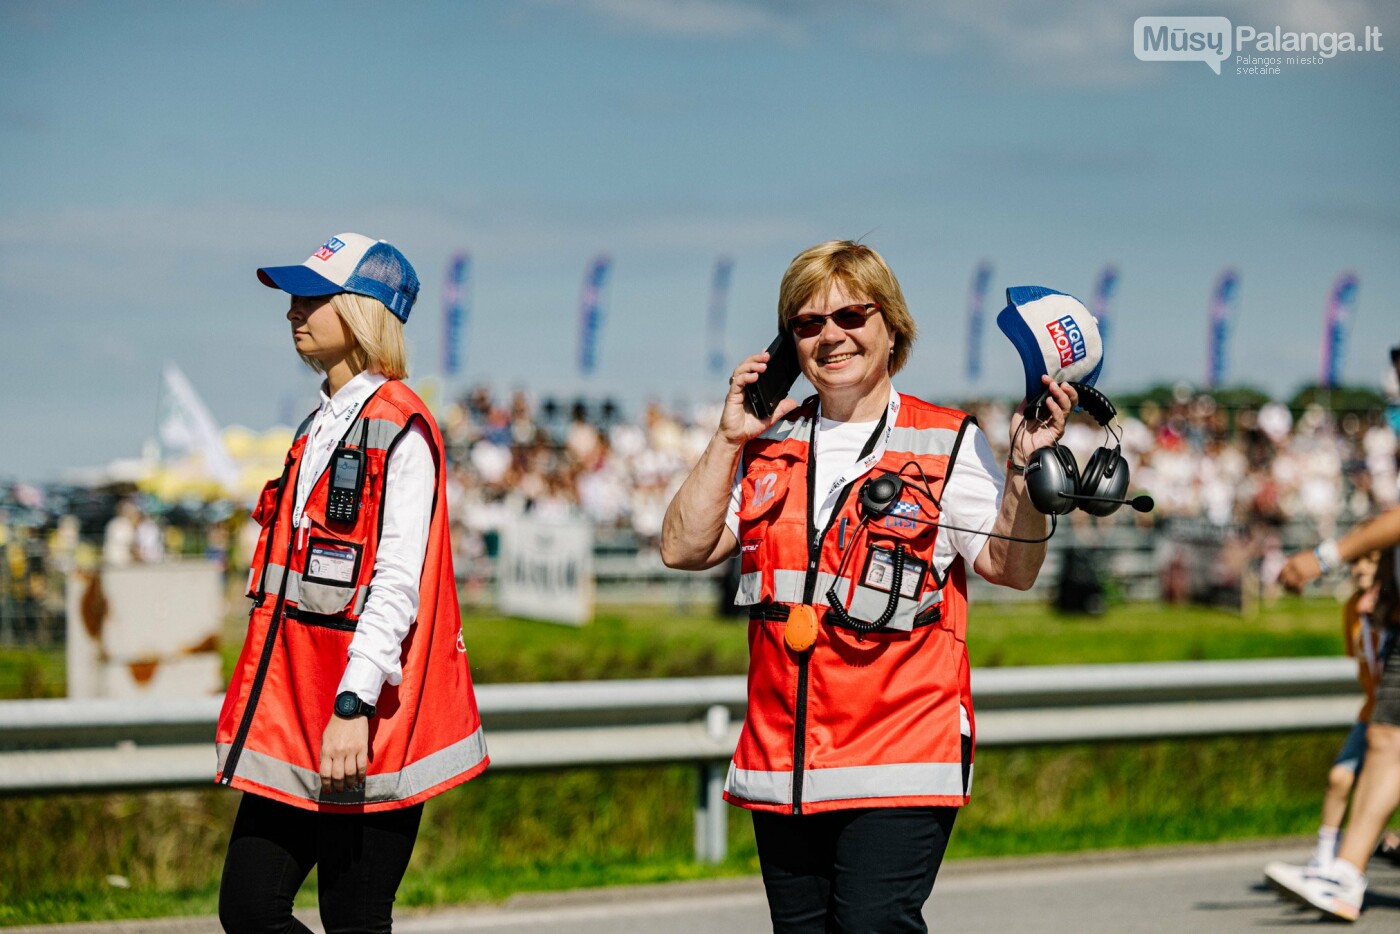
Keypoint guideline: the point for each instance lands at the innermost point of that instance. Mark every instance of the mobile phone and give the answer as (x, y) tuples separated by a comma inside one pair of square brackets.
[(772, 385), (347, 472)]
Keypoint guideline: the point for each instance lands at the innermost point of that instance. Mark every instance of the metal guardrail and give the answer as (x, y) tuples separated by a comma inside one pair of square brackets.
[(65, 746)]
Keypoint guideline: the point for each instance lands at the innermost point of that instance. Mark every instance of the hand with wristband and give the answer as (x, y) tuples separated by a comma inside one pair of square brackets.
[(1304, 567)]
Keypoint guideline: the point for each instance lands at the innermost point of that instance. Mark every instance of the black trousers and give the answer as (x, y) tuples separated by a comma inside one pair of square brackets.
[(867, 870), (360, 860)]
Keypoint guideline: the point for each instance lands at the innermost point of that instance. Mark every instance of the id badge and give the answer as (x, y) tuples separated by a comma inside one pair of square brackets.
[(879, 573), (330, 563)]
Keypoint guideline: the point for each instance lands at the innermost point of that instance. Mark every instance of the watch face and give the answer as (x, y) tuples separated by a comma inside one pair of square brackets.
[(347, 704)]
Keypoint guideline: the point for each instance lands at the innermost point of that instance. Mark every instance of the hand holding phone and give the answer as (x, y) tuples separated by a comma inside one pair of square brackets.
[(762, 396)]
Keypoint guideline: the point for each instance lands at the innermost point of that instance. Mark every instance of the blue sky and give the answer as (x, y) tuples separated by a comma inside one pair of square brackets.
[(156, 153)]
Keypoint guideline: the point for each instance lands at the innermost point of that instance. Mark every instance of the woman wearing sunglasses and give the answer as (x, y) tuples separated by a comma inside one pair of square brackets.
[(856, 515), (352, 702)]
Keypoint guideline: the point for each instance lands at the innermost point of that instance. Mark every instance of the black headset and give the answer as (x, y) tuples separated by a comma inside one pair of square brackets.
[(1053, 479)]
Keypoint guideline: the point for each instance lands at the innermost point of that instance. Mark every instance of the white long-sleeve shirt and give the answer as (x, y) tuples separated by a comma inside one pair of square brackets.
[(376, 649)]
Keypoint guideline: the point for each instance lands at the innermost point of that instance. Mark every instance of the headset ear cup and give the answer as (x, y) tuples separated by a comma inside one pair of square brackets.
[(1093, 473), (1048, 479), (1106, 475)]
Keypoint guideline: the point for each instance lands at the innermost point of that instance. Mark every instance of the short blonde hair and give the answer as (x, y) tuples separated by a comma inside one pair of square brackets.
[(378, 334), (862, 271)]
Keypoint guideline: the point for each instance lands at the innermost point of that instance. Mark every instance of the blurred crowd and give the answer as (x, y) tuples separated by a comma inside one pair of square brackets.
[(1251, 467), (1200, 460)]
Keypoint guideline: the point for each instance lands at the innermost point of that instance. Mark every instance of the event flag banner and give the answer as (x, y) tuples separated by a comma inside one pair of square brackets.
[(976, 296), (1103, 295), (454, 313), (719, 301), (187, 428), (1223, 299), (1340, 308), (591, 314), (546, 570)]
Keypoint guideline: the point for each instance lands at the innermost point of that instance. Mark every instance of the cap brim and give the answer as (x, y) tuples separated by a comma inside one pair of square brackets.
[(297, 280)]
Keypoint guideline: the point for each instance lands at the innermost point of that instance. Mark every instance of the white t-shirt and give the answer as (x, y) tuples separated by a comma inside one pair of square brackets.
[(971, 497)]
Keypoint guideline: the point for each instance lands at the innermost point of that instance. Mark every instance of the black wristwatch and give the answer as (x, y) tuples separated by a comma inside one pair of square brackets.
[(349, 706)]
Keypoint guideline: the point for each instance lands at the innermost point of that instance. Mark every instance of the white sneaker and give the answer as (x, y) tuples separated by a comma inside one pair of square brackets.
[(1322, 890), (1277, 872)]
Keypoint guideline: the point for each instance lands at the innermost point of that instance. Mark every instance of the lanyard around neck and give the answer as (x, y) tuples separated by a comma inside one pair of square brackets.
[(864, 464)]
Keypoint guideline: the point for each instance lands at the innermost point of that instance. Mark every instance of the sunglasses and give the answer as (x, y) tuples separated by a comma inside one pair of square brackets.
[(850, 318)]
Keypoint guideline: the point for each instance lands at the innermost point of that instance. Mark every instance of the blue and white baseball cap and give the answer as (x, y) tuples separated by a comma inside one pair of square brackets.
[(351, 262), (1054, 333)]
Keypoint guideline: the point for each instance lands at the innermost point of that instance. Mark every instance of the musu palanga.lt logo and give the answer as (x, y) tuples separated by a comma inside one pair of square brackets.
[(1213, 39)]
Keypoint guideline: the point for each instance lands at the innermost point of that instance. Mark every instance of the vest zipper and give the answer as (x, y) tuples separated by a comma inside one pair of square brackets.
[(809, 589), (269, 641)]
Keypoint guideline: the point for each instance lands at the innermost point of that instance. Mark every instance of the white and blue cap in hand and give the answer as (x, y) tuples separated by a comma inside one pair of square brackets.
[(1054, 333), (351, 262)]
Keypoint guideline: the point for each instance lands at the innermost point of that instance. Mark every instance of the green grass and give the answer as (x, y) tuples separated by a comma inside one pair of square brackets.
[(1030, 634), (645, 642), (653, 642), (513, 832), (26, 673)]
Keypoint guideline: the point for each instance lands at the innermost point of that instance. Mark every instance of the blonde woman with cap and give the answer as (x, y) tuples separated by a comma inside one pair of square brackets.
[(352, 702), (856, 515)]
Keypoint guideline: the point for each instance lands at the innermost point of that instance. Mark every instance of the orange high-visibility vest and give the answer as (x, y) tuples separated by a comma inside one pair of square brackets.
[(308, 588), (882, 719)]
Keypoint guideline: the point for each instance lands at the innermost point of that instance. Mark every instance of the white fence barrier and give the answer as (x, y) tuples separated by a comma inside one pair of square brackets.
[(64, 746)]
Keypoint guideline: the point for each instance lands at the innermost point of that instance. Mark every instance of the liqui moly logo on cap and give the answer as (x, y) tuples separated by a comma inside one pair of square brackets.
[(331, 248), (1068, 339)]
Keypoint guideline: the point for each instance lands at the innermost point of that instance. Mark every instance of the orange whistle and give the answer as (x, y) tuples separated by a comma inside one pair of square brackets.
[(800, 633)]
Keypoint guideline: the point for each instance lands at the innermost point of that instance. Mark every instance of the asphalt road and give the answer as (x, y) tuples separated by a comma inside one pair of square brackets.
[(1196, 889)]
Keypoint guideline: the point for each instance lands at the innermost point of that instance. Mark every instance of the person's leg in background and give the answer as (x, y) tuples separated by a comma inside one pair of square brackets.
[(1377, 795), (1340, 889), (1341, 780)]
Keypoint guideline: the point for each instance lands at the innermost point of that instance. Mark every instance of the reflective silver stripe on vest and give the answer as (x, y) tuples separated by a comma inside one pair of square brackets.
[(923, 441), (788, 587), (443, 765), (380, 435), (866, 605), (902, 780), (764, 787), (750, 589), (293, 594), (783, 429)]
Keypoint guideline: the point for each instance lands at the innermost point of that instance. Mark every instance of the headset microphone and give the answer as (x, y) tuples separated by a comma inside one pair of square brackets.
[(1142, 503)]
